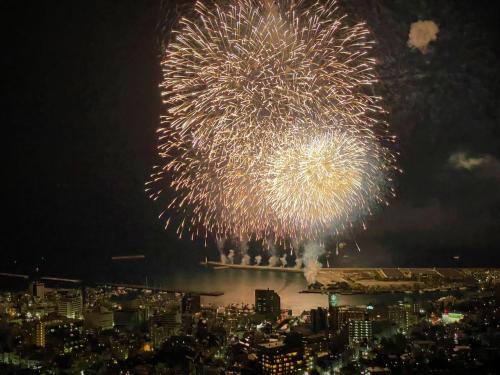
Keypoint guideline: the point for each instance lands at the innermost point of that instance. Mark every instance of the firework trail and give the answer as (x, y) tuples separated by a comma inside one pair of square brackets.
[(269, 130)]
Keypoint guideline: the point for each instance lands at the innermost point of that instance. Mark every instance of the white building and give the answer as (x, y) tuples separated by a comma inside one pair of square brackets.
[(70, 305)]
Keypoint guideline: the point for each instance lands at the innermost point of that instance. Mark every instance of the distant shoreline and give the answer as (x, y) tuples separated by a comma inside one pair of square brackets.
[(128, 257)]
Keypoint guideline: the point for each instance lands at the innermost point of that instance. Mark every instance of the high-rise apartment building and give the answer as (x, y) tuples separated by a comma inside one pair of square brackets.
[(278, 359), (39, 334), (318, 320), (360, 332), (70, 305), (267, 303), (405, 315), (191, 303), (37, 289)]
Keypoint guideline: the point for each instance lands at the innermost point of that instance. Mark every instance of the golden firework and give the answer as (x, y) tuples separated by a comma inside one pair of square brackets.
[(269, 127)]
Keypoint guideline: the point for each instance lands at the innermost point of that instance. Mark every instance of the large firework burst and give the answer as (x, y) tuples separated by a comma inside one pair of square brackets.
[(270, 128)]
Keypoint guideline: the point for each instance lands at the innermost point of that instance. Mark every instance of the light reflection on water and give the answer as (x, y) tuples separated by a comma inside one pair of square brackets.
[(239, 287)]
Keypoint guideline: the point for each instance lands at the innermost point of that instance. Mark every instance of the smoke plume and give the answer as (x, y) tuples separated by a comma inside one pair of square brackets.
[(421, 34), (283, 260), (230, 256), (312, 251), (245, 260), (274, 261), (220, 247), (220, 244), (258, 259), (298, 263), (223, 258), (311, 271)]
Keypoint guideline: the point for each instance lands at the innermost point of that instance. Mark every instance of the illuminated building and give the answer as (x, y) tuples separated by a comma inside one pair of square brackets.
[(377, 371), (339, 316), (191, 303), (100, 318), (65, 334), (353, 313), (39, 334), (318, 320), (333, 320), (332, 300), (164, 325), (315, 346), (360, 332), (267, 303), (396, 314), (276, 358), (451, 317), (37, 289), (130, 318), (405, 315), (70, 305), (120, 350)]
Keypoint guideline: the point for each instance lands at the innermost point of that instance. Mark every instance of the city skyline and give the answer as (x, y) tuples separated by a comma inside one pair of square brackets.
[(48, 328)]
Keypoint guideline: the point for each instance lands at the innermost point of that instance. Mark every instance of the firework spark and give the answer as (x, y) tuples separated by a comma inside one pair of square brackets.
[(269, 128)]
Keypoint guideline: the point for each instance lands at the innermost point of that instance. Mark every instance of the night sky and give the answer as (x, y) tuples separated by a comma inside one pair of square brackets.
[(81, 106)]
